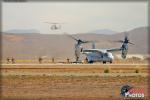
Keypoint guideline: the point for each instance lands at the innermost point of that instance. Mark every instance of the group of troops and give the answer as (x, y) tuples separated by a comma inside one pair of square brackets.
[(40, 60), (10, 60)]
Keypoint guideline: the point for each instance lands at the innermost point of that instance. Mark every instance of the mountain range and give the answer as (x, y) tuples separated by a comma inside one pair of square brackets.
[(33, 45), (104, 31), (20, 31)]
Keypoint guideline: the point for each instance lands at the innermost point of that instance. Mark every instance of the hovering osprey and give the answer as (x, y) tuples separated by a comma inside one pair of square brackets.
[(55, 26)]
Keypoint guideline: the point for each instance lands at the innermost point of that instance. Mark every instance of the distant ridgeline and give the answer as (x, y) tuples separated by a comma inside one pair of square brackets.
[(30, 46)]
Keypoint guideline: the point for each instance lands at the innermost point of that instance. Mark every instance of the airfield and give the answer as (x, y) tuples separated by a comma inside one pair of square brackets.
[(71, 81)]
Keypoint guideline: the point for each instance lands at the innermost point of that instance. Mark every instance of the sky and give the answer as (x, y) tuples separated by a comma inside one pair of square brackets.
[(77, 17)]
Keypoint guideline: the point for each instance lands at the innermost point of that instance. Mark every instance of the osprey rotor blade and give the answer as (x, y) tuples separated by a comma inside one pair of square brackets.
[(131, 43), (126, 34), (126, 37), (89, 41), (72, 37), (127, 40), (86, 41), (51, 23), (120, 41)]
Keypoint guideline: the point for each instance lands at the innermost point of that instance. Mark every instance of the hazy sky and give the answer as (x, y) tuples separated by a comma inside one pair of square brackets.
[(79, 17)]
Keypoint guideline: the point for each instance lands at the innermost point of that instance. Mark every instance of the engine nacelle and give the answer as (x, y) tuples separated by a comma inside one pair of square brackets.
[(124, 50), (124, 54), (78, 50)]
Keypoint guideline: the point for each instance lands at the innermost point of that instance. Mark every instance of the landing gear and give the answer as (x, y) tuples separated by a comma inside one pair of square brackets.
[(110, 61), (90, 62), (104, 62)]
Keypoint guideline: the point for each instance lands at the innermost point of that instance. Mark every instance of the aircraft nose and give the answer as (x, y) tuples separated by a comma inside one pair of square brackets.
[(111, 57)]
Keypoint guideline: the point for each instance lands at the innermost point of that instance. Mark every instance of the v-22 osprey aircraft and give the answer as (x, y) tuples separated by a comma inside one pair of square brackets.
[(105, 55)]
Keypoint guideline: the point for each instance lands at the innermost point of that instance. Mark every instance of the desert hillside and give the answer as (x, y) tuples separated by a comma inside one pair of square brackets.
[(33, 45)]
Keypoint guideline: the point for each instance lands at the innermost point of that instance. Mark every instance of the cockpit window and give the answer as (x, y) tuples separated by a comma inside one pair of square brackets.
[(106, 54)]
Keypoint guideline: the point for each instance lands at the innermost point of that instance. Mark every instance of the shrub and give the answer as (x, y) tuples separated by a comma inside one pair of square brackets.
[(137, 71), (106, 71)]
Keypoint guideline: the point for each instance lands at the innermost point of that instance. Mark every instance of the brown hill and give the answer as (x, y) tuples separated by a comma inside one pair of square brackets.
[(30, 46)]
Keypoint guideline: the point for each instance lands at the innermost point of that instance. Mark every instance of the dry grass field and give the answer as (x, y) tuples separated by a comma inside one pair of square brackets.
[(71, 81)]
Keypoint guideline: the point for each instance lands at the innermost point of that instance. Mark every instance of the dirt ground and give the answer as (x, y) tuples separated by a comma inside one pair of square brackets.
[(69, 87)]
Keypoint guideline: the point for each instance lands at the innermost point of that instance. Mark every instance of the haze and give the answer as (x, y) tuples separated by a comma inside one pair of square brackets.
[(79, 17)]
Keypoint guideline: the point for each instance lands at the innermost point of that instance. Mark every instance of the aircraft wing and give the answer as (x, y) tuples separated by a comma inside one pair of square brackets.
[(101, 51), (94, 51), (113, 50)]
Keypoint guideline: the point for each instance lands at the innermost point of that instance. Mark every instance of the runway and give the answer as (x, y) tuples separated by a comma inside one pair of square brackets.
[(75, 69), (73, 80), (78, 74), (73, 64)]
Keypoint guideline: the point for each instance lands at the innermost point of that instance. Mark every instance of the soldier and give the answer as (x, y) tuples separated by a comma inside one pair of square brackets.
[(40, 60), (13, 60), (53, 60), (86, 60), (68, 60), (8, 60)]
